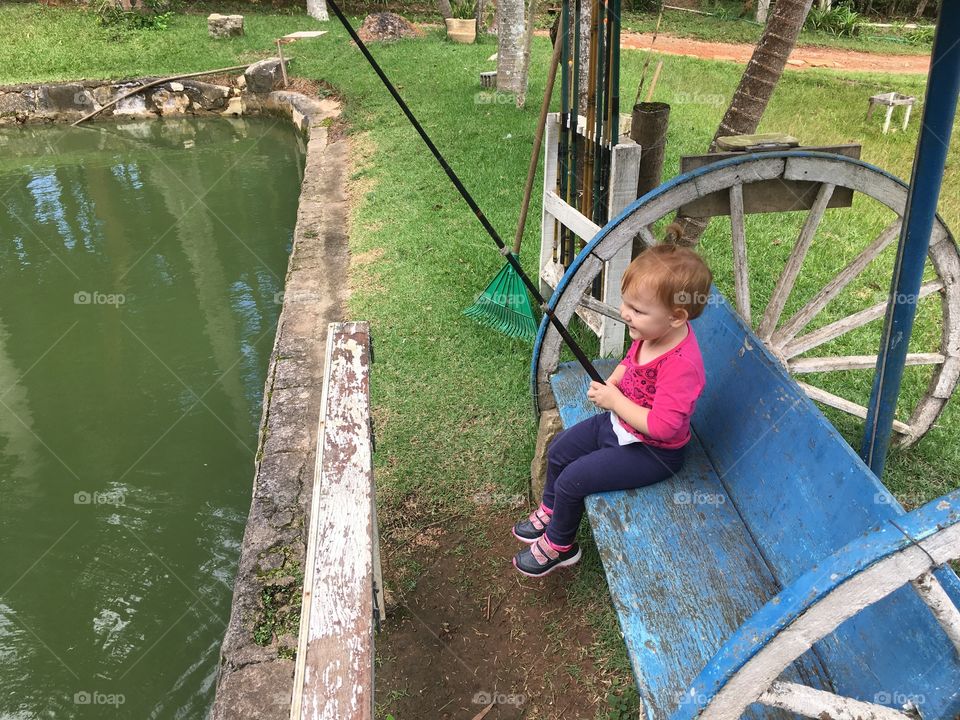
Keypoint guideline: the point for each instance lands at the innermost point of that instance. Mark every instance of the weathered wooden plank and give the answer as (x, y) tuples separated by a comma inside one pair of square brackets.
[(548, 223), (581, 225), (766, 195), (798, 366), (741, 273), (333, 678), (624, 170)]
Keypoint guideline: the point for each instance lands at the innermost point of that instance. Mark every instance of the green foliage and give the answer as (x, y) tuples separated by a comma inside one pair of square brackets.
[(641, 5), (922, 36), (151, 15), (463, 9), (840, 21), (624, 705)]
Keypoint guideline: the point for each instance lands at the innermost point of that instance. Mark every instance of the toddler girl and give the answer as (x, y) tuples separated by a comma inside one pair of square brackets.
[(651, 396)]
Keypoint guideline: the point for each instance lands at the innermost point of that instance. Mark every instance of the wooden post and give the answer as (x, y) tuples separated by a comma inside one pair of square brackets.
[(648, 128), (283, 64)]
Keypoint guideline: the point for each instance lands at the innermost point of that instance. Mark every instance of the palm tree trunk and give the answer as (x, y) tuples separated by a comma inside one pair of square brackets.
[(756, 86)]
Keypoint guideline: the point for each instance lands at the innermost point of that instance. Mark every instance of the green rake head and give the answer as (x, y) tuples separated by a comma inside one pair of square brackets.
[(505, 306)]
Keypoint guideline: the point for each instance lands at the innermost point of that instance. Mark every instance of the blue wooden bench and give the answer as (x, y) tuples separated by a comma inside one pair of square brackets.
[(774, 537)]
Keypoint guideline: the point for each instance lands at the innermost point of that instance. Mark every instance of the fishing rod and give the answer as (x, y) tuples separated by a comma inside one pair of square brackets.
[(504, 250)]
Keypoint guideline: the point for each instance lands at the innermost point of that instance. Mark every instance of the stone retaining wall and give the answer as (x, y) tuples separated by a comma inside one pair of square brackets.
[(256, 91)]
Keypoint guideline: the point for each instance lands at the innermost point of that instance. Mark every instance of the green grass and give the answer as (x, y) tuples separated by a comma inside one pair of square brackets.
[(725, 27), (452, 400)]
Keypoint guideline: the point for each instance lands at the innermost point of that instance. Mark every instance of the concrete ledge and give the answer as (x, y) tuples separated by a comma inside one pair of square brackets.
[(256, 668)]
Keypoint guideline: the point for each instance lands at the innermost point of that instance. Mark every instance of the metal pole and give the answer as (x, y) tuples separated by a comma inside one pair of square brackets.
[(940, 107)]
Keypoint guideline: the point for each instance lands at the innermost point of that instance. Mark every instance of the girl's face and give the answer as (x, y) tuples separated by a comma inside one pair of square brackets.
[(645, 317)]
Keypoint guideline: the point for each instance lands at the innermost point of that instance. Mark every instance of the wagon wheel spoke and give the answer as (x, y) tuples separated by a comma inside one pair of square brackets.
[(771, 315), (813, 703), (855, 362), (833, 288), (741, 283), (847, 406), (840, 327), (647, 236)]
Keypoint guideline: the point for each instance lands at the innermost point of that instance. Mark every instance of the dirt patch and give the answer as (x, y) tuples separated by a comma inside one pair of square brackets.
[(465, 630), (802, 58)]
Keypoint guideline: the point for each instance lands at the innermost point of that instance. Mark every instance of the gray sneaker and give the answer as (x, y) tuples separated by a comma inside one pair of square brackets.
[(533, 527)]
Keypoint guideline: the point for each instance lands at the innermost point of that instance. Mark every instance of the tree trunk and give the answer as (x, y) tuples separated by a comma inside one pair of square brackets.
[(481, 15), (445, 10), (920, 8), (510, 43), (527, 41), (757, 85), (317, 9), (763, 8)]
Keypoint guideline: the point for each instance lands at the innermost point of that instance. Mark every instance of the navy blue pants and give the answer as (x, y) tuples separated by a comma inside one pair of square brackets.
[(587, 458)]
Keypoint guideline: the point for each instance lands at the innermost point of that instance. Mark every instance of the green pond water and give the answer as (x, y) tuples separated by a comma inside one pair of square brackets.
[(140, 269)]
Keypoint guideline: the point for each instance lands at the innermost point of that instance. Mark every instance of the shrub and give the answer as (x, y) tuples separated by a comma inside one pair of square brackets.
[(150, 15), (840, 21)]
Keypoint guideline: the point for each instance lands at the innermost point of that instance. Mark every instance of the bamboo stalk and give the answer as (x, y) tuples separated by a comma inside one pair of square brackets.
[(154, 83)]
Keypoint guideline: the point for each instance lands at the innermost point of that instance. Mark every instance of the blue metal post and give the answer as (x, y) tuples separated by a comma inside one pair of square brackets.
[(940, 106)]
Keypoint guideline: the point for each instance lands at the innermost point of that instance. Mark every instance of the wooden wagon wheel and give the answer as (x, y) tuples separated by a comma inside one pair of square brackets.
[(865, 572), (785, 338)]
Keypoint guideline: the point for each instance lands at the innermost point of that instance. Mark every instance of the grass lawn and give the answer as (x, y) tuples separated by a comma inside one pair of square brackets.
[(451, 398)]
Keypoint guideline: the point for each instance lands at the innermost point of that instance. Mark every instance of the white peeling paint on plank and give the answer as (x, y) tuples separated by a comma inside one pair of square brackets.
[(334, 676)]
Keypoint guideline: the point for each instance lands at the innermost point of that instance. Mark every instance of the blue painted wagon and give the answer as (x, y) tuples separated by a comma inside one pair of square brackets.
[(776, 576)]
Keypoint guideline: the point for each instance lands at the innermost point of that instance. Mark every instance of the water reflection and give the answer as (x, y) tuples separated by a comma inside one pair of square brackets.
[(138, 276)]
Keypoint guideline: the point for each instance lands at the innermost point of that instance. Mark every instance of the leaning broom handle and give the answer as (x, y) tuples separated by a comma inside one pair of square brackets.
[(153, 83), (537, 140)]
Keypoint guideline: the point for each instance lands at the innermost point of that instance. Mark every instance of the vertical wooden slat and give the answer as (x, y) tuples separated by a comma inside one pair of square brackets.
[(741, 281), (548, 225), (624, 169)]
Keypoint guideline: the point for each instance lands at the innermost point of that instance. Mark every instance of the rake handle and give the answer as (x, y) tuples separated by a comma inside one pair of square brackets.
[(537, 140)]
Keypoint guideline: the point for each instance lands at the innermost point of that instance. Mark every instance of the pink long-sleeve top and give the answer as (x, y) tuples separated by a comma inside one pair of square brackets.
[(669, 386)]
